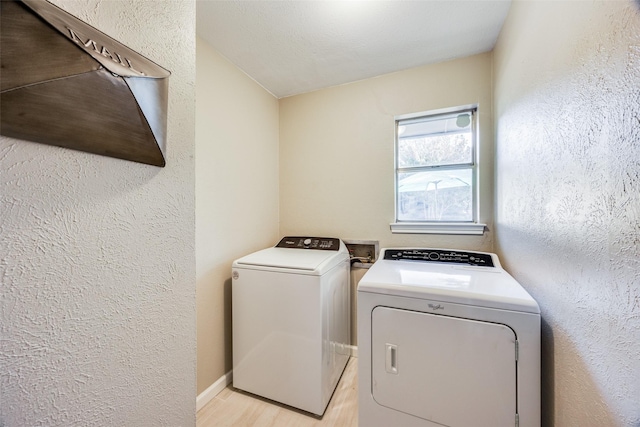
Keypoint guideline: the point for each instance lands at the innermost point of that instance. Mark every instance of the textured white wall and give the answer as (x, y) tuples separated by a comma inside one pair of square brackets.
[(567, 96), (97, 257), (237, 192), (337, 151)]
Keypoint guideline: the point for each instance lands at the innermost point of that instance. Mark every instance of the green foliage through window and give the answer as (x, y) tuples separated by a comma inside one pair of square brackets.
[(435, 167)]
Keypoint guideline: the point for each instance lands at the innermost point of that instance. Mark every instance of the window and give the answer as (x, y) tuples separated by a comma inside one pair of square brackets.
[(436, 173)]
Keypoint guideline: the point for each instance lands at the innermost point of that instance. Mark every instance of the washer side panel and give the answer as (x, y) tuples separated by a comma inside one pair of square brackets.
[(277, 336)]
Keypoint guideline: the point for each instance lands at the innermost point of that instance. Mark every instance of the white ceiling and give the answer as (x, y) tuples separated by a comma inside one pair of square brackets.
[(292, 47)]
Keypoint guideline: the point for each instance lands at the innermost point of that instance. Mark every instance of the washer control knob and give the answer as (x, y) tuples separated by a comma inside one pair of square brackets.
[(307, 242)]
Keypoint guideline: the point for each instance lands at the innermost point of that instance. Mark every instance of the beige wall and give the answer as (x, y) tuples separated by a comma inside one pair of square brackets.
[(337, 151), (567, 96), (237, 188), (337, 155), (97, 274), (335, 167)]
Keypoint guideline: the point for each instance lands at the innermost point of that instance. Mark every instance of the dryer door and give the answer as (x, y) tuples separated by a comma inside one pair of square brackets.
[(451, 371)]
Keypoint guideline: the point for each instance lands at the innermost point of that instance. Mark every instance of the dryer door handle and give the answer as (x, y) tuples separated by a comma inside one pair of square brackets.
[(391, 359)]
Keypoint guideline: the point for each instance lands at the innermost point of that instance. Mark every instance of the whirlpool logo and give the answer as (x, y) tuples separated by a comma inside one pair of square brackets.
[(435, 307)]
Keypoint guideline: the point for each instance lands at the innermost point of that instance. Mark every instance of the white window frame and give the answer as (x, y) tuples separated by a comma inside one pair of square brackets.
[(473, 227)]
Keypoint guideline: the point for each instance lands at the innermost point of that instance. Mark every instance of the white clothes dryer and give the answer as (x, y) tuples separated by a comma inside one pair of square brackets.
[(446, 338), (291, 327)]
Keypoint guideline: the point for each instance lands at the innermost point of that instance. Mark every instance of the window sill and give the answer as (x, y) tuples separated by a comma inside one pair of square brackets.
[(438, 228)]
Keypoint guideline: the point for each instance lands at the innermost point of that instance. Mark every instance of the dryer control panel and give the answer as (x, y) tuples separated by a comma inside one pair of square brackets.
[(440, 255), (322, 243)]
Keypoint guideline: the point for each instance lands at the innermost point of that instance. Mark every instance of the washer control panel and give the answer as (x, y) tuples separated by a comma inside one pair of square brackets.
[(440, 255), (298, 242)]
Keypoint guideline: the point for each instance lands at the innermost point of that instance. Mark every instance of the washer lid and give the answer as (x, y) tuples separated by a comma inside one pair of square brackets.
[(308, 261), (490, 287)]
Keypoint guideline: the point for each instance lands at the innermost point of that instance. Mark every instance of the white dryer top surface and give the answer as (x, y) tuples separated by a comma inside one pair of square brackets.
[(300, 261), (490, 287)]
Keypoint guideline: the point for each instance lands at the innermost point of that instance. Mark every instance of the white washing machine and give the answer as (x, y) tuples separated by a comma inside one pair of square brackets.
[(291, 327), (446, 338)]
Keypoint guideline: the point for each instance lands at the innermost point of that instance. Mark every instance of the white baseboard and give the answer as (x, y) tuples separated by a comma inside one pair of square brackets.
[(213, 390), (354, 350)]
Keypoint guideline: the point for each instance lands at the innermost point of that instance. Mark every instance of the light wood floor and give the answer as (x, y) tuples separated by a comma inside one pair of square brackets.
[(235, 408)]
